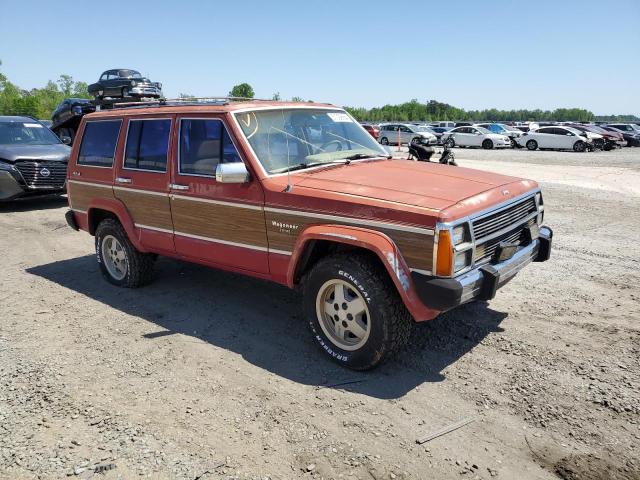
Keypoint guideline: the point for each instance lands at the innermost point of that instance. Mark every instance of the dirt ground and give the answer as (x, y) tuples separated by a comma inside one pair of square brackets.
[(207, 375)]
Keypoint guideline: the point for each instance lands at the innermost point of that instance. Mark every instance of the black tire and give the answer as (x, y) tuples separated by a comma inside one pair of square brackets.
[(514, 144), (532, 145), (139, 266), (125, 92), (384, 141), (579, 146), (487, 144), (390, 322), (450, 142)]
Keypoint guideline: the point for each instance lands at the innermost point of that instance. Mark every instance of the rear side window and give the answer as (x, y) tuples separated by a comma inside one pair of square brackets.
[(147, 145), (203, 145), (99, 143)]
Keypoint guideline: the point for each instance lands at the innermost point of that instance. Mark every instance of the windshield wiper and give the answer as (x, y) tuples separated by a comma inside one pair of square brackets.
[(359, 156)]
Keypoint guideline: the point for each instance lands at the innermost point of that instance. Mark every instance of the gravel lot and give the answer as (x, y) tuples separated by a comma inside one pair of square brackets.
[(207, 375)]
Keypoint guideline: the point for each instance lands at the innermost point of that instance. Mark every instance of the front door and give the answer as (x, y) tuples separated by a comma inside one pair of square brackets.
[(142, 180), (215, 223)]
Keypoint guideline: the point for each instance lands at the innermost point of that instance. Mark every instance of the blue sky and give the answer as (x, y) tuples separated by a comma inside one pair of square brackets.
[(472, 54)]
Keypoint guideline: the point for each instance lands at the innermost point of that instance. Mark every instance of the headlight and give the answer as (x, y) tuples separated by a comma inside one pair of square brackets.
[(461, 260), (133, 83), (460, 234), (7, 167), (539, 199)]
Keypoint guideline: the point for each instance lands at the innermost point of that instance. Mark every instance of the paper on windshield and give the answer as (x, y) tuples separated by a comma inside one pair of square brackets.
[(339, 117), (32, 125)]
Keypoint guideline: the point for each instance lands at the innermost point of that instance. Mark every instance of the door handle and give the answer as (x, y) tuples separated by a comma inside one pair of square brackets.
[(176, 186), (123, 180)]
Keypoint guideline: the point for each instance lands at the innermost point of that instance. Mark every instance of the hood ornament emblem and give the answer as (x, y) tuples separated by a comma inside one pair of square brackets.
[(505, 192)]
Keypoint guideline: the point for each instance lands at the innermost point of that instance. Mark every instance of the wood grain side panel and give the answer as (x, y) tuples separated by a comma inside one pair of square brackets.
[(81, 194), (283, 231), (222, 222), (146, 208)]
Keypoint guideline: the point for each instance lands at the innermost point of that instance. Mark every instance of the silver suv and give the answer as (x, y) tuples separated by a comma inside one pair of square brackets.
[(390, 132)]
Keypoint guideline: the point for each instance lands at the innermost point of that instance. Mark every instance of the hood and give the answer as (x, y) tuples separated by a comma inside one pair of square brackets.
[(419, 184), (53, 153)]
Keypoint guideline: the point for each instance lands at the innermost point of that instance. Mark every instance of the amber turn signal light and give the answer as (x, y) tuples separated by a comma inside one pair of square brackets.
[(444, 259)]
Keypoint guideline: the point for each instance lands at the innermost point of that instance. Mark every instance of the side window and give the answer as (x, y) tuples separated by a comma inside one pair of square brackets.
[(147, 145), (544, 130), (99, 143), (203, 145)]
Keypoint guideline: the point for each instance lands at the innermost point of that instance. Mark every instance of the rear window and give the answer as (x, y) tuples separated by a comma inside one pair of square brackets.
[(99, 143), (147, 145), (203, 145)]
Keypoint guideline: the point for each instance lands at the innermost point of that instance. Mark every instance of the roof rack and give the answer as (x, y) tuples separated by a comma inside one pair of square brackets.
[(161, 102)]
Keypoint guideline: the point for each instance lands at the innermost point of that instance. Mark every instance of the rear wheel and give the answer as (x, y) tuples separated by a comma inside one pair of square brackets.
[(384, 141), (354, 311), (487, 144), (119, 261), (532, 145), (125, 92), (450, 142), (579, 146)]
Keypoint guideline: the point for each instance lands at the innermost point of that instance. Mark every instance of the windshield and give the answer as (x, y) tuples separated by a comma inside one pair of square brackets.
[(290, 138), (26, 133)]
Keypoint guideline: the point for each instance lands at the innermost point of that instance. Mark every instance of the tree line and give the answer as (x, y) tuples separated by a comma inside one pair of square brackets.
[(434, 110), (41, 102)]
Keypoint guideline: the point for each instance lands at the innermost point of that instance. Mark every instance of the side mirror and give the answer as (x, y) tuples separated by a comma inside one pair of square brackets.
[(66, 140), (235, 172)]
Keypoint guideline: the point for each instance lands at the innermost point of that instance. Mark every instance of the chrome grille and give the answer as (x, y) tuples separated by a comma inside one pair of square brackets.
[(486, 250), (32, 172), (506, 225), (512, 215)]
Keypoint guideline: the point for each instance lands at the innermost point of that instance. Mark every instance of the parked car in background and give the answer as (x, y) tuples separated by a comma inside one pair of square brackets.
[(502, 129), (626, 127), (445, 124), (390, 133), (123, 83), (632, 138), (608, 140), (437, 131), (555, 138), (66, 116), (373, 130), (33, 160), (475, 137)]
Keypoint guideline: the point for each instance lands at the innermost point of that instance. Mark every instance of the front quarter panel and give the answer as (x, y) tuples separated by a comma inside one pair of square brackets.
[(376, 242)]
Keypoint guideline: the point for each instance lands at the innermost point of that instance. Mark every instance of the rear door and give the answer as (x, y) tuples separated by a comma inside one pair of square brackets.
[(216, 223), (545, 138), (462, 136), (143, 177)]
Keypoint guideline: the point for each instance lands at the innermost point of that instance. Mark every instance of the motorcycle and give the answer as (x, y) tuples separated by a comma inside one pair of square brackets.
[(423, 153)]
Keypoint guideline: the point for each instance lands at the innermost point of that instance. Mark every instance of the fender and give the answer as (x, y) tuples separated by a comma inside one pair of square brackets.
[(116, 207), (378, 243)]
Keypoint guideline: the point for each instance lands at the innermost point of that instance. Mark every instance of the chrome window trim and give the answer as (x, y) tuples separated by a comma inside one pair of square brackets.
[(137, 190), (217, 202), (115, 148), (126, 139), (179, 119)]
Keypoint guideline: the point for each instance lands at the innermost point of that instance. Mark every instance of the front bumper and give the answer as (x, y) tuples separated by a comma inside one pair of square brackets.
[(480, 283)]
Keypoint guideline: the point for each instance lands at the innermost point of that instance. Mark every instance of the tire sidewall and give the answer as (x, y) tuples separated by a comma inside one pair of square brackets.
[(105, 229), (532, 145), (487, 144), (374, 347), (579, 146)]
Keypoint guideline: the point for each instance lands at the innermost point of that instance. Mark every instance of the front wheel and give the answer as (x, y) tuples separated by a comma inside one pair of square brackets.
[(532, 145), (120, 263), (384, 141), (354, 311), (579, 146), (487, 144)]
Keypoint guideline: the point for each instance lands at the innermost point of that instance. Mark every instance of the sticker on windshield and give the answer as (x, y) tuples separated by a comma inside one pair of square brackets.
[(339, 117), (32, 125)]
